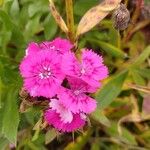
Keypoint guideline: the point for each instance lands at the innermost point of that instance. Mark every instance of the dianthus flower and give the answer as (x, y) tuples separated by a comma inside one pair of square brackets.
[(75, 98), (51, 70), (42, 73), (61, 118), (61, 46), (90, 68)]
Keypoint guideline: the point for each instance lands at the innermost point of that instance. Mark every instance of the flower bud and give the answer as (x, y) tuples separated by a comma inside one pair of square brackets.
[(121, 17)]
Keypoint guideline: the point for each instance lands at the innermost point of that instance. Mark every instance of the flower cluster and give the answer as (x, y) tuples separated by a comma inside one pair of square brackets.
[(51, 70)]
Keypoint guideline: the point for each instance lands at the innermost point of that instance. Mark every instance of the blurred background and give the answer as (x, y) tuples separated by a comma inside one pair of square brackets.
[(122, 119)]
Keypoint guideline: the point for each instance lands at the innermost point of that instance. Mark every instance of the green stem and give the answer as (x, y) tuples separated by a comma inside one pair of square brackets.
[(70, 20)]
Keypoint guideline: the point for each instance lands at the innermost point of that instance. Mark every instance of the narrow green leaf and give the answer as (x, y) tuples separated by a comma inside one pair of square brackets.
[(10, 116), (6, 20), (50, 27), (100, 117), (144, 72), (4, 39), (50, 136), (0, 89), (32, 146), (3, 143), (128, 137), (38, 6), (1, 119), (144, 55), (36, 135), (111, 90), (137, 78), (110, 49), (10, 32), (114, 33), (17, 37), (32, 26), (15, 10)]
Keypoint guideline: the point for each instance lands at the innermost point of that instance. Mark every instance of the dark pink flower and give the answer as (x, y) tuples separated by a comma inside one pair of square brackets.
[(90, 69), (61, 118), (42, 73), (32, 48), (59, 45), (75, 98), (62, 46), (65, 114)]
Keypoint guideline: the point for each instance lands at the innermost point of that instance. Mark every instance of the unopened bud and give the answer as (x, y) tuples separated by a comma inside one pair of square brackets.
[(121, 17)]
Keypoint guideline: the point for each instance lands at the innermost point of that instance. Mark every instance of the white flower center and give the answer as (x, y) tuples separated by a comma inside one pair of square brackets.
[(77, 92), (52, 47), (46, 73), (83, 116), (82, 71)]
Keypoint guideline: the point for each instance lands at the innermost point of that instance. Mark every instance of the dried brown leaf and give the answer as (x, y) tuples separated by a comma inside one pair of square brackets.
[(95, 15), (57, 17), (132, 118)]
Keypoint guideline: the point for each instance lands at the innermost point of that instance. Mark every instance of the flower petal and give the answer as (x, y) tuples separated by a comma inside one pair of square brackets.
[(53, 118), (77, 83), (65, 115), (31, 69), (76, 104), (32, 48), (70, 65)]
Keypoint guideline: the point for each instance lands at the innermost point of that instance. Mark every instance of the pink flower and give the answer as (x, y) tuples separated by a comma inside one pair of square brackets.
[(65, 114), (32, 48), (91, 68), (75, 98), (59, 45), (42, 73), (61, 118)]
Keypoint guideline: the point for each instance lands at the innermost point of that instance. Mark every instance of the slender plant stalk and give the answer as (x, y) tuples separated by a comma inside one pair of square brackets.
[(133, 20), (119, 40), (70, 20), (137, 11)]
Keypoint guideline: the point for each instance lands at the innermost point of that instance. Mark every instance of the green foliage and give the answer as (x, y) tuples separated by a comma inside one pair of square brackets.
[(110, 49), (23, 21), (111, 90), (10, 113), (145, 54), (80, 142)]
